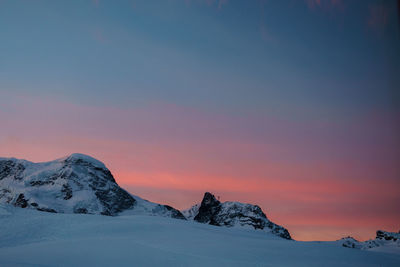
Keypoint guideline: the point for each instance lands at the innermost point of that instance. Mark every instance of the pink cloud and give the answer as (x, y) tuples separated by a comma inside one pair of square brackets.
[(326, 173)]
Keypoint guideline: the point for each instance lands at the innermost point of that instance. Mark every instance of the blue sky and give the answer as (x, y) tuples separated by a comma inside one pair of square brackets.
[(293, 105), (239, 54)]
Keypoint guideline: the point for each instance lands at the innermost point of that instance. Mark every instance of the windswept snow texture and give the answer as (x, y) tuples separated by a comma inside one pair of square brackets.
[(32, 238), (73, 184), (233, 214)]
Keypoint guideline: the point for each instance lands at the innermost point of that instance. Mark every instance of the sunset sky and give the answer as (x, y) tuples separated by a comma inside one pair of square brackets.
[(292, 105)]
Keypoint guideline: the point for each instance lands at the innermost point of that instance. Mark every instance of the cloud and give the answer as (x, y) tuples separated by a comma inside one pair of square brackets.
[(298, 172)]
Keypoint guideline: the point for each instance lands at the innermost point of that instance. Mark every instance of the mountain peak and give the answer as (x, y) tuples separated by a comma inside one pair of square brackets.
[(208, 208), (74, 184), (209, 199), (232, 214), (78, 157)]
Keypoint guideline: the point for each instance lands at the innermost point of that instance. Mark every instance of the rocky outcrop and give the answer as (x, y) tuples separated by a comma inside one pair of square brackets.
[(174, 212), (209, 210), (382, 239), (11, 168), (231, 214), (383, 235)]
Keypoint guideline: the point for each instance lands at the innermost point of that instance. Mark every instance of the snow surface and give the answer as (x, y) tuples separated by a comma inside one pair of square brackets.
[(86, 158), (32, 238)]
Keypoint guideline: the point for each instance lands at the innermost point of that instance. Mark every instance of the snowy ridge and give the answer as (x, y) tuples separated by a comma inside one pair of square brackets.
[(74, 184), (233, 214), (83, 157), (386, 241), (145, 207)]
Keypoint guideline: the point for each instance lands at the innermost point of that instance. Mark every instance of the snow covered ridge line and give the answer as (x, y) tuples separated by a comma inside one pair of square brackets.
[(383, 239), (233, 214), (81, 184), (74, 184)]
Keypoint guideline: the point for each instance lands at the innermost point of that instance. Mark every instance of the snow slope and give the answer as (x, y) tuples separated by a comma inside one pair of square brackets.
[(145, 207), (32, 238)]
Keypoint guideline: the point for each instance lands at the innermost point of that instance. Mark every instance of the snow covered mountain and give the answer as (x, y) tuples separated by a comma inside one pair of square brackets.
[(384, 240), (233, 214), (74, 184), (81, 184)]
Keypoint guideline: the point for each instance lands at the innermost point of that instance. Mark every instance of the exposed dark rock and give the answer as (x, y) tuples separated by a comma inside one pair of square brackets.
[(47, 210), (81, 210), (209, 208), (67, 191), (11, 168), (387, 235), (212, 211), (40, 183), (21, 201), (175, 213), (114, 200)]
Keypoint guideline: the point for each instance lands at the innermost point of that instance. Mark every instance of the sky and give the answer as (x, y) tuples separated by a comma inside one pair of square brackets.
[(292, 105)]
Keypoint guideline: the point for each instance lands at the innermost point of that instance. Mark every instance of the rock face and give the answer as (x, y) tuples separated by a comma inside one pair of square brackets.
[(383, 235), (74, 184), (232, 214), (209, 210), (383, 239)]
